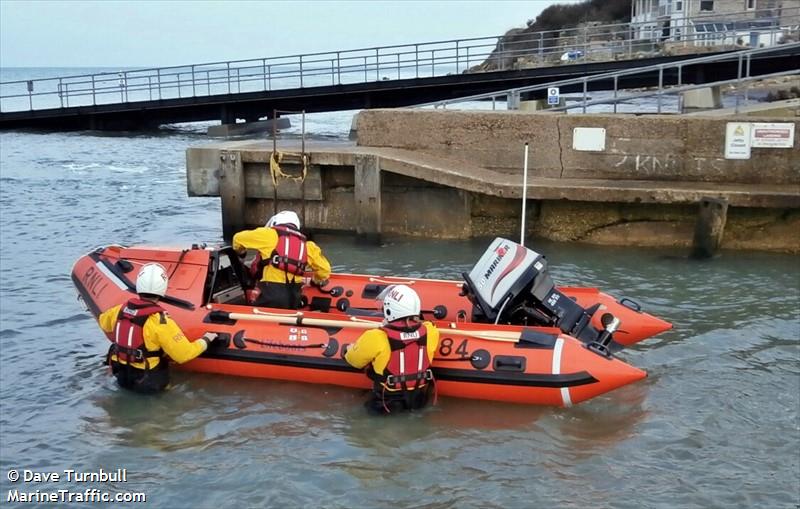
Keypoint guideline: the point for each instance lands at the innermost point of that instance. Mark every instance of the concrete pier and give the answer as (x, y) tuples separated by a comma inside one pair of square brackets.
[(604, 179)]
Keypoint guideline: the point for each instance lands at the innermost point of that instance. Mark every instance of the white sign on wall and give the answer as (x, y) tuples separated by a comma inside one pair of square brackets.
[(589, 139), (772, 135), (737, 140)]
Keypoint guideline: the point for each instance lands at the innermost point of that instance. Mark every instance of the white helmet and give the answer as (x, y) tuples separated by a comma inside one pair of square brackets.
[(152, 280), (284, 217), (399, 301)]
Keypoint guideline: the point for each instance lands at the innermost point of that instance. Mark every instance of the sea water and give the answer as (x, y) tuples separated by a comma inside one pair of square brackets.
[(716, 423)]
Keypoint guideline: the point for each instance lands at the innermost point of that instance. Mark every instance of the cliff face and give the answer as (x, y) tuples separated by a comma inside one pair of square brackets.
[(519, 44)]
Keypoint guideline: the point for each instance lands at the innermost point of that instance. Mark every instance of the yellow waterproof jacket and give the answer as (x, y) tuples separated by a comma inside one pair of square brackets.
[(264, 240), (159, 334), (373, 346)]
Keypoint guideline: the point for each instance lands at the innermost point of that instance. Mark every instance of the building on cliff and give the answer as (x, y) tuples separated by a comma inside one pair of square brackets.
[(715, 22)]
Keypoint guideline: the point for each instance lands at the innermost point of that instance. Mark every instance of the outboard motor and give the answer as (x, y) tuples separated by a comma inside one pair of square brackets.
[(510, 284)]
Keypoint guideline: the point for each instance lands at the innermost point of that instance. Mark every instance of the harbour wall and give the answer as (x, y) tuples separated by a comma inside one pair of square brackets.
[(455, 174)]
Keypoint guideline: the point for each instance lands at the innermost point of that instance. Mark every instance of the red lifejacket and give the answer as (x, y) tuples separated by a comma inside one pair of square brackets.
[(128, 339), (408, 367), (290, 253)]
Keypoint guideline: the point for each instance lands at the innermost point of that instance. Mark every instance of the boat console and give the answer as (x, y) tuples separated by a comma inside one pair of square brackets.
[(510, 284)]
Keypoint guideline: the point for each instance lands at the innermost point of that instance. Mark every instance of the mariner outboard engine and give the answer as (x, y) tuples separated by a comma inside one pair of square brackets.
[(510, 285)]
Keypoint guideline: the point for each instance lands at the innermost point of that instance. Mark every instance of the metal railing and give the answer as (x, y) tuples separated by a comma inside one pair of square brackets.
[(420, 60), (744, 75)]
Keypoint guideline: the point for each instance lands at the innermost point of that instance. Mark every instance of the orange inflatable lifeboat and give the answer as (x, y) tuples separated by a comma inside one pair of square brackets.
[(509, 285), (207, 292)]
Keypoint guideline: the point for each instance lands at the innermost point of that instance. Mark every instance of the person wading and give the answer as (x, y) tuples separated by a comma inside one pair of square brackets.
[(399, 354), (283, 256), (144, 338)]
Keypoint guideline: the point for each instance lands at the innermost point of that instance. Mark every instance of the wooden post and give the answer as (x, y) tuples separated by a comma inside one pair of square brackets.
[(232, 193), (367, 191), (709, 228)]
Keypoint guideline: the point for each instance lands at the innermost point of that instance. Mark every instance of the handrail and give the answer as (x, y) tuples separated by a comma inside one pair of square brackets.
[(398, 61), (615, 74)]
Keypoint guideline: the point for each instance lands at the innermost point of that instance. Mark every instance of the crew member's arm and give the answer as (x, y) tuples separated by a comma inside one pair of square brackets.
[(108, 319), (370, 346), (318, 263), (433, 340), (262, 239), (163, 330)]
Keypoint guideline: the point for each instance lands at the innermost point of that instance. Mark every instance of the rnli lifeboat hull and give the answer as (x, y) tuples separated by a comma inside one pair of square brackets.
[(505, 363), (355, 294)]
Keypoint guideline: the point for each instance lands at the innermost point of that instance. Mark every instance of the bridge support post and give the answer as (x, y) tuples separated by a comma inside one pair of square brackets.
[(367, 193), (232, 193), (226, 115), (708, 98), (709, 227)]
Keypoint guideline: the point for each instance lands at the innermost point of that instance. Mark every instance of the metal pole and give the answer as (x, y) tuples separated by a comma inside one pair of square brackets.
[(61, 92), (194, 89), (660, 85), (158, 75), (585, 82), (208, 82), (269, 77), (264, 72), (301, 71), (616, 79), (228, 67), (416, 58), (365, 68), (456, 57), (178, 78), (377, 66), (747, 83), (524, 196), (94, 98), (333, 74), (738, 83), (150, 86), (398, 65), (338, 68)]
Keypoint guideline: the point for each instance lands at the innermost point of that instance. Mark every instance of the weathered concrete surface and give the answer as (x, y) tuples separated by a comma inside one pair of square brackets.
[(458, 174), (242, 128), (649, 147)]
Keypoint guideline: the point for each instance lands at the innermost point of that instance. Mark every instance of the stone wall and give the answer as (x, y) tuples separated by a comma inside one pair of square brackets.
[(646, 147)]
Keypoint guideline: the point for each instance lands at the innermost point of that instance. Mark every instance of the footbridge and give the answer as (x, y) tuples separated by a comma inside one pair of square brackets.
[(379, 77)]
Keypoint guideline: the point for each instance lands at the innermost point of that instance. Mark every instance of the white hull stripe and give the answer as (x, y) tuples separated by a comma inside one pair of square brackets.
[(402, 363), (111, 276), (556, 368)]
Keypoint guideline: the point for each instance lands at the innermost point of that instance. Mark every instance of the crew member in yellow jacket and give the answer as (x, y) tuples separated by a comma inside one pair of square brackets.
[(144, 338), (399, 354), (284, 254)]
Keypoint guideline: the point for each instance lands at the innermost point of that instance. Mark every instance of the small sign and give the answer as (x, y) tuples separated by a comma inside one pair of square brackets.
[(737, 140), (589, 139), (772, 135), (553, 97)]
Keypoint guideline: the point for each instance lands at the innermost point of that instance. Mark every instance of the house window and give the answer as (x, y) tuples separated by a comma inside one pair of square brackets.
[(678, 6), (749, 4), (706, 5)]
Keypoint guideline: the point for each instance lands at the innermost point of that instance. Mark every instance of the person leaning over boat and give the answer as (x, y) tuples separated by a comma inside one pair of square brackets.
[(399, 354), (283, 256), (144, 337)]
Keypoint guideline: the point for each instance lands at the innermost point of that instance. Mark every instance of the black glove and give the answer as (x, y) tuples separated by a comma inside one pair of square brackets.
[(209, 338)]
